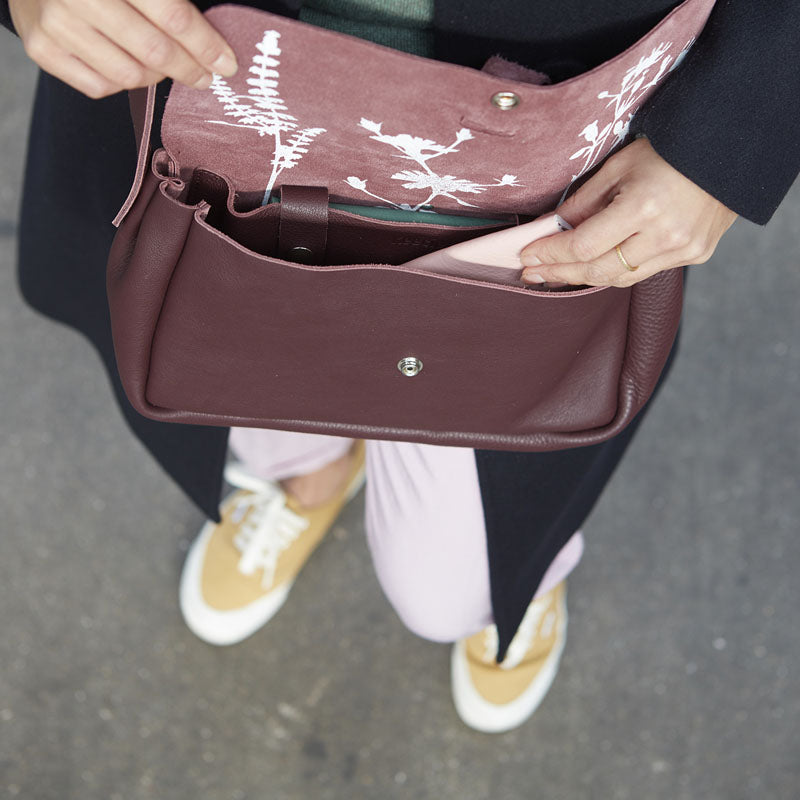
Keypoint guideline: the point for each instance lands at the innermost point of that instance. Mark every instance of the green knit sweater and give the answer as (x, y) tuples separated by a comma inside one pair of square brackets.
[(402, 24)]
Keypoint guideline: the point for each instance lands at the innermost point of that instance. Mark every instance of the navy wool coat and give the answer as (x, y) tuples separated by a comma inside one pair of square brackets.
[(728, 120)]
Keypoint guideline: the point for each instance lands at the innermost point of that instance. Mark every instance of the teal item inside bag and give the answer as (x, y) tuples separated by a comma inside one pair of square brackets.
[(406, 215), (401, 24)]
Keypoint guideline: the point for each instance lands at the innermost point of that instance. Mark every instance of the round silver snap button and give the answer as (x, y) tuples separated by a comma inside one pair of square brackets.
[(302, 255), (505, 100), (409, 366)]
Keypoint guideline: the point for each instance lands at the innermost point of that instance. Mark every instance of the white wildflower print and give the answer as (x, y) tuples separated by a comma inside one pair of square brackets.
[(263, 110), (623, 105), (422, 151)]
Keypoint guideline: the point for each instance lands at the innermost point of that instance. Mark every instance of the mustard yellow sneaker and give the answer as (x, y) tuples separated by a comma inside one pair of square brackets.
[(238, 573), (493, 697)]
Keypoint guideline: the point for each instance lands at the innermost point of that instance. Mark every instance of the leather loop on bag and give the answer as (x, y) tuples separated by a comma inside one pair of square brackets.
[(303, 226)]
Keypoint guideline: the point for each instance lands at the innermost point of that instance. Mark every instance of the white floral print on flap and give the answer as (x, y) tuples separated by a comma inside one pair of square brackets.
[(315, 107)]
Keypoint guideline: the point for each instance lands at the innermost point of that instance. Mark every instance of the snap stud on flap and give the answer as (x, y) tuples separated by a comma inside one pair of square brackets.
[(505, 100)]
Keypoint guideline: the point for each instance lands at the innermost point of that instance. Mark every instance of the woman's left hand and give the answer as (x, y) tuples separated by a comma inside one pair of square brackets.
[(637, 201)]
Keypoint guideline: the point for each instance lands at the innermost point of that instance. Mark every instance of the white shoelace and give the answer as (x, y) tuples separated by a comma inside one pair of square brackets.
[(524, 636), (270, 526)]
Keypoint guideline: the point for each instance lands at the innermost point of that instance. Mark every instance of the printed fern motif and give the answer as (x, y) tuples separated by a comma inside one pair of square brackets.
[(263, 110)]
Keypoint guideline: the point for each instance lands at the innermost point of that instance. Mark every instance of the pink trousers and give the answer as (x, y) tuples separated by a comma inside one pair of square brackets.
[(424, 521)]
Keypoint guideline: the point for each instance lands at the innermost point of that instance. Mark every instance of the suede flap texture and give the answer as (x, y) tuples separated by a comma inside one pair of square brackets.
[(382, 127)]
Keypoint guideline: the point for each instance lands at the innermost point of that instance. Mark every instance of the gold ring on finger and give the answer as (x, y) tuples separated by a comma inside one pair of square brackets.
[(629, 267)]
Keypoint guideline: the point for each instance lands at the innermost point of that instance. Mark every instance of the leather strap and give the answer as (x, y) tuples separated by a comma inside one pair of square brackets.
[(303, 226), (142, 104)]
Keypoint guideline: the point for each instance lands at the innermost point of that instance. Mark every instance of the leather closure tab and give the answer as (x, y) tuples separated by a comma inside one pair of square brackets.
[(303, 225)]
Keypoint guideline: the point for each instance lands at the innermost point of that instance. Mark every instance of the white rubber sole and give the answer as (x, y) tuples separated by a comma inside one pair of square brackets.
[(224, 628), (481, 715)]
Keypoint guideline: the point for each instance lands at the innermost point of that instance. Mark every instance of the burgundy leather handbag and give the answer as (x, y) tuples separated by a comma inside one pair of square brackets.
[(298, 315)]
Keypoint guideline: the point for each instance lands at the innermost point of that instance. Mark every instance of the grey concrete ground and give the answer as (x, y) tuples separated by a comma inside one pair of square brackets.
[(679, 679)]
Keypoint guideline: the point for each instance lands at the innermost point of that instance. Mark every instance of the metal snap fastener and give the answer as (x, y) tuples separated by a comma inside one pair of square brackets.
[(505, 100), (409, 366), (302, 255)]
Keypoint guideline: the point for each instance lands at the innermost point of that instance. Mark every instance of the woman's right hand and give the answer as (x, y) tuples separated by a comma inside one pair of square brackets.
[(101, 47)]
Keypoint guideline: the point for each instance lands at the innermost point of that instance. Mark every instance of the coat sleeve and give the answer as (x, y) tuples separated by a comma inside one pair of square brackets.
[(5, 16), (729, 117)]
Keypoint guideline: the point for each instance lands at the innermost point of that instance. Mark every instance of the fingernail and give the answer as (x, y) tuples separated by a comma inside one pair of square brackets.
[(226, 65), (532, 277), (529, 261), (204, 82)]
